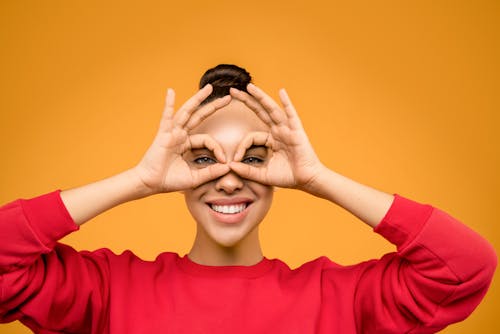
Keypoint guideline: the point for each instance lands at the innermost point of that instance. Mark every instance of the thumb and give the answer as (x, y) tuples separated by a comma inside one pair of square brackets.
[(257, 174), (209, 173)]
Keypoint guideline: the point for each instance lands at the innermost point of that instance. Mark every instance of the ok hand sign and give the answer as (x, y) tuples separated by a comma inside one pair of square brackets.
[(163, 168), (293, 162)]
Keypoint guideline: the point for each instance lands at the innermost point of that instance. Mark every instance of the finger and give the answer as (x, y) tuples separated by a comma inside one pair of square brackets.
[(287, 103), (252, 103), (206, 141), (209, 173), (290, 111), (272, 108), (257, 174), (191, 104), (253, 138), (168, 111), (208, 109)]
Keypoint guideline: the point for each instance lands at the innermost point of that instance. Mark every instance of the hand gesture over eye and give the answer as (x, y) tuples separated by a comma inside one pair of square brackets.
[(163, 167), (292, 162)]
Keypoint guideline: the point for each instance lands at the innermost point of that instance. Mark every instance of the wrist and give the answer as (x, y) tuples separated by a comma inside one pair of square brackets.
[(140, 188), (316, 183)]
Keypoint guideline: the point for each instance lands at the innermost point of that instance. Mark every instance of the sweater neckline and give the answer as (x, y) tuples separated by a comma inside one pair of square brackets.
[(253, 271)]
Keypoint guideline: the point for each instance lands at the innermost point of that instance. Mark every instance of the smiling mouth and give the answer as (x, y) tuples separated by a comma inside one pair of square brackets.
[(229, 209)]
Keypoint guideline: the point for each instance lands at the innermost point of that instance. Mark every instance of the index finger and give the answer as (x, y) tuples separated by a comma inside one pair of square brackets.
[(258, 138), (206, 141)]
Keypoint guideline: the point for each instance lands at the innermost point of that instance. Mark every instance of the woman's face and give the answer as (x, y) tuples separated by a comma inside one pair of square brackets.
[(229, 209)]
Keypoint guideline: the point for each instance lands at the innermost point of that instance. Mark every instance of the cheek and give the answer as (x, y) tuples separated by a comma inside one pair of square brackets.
[(192, 198), (264, 193)]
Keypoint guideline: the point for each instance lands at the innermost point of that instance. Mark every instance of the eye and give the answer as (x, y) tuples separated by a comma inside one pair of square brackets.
[(252, 160), (256, 155), (204, 160)]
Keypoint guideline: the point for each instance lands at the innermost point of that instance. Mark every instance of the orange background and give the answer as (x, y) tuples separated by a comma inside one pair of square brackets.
[(401, 95)]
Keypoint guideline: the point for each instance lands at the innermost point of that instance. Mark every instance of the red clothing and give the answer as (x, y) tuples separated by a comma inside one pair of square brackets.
[(439, 275)]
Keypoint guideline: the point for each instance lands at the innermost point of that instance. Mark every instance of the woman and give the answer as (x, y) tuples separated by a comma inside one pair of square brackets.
[(225, 149)]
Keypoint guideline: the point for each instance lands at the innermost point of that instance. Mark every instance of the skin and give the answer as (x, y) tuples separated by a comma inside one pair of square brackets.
[(237, 241), (169, 165)]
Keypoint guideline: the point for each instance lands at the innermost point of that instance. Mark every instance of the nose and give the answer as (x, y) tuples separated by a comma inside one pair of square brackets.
[(229, 183)]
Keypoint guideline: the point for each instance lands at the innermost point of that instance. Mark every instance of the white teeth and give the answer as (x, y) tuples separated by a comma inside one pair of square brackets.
[(228, 209)]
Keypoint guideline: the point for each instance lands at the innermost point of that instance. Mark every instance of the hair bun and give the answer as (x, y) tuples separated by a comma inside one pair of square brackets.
[(222, 77)]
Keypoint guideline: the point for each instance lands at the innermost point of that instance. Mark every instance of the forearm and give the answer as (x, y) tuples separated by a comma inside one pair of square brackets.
[(366, 203), (88, 201)]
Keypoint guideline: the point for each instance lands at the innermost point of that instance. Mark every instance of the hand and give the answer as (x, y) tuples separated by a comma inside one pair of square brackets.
[(293, 162), (163, 168)]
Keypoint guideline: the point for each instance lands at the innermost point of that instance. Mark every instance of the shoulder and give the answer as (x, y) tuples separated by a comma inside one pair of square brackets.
[(115, 260), (322, 266), (321, 275)]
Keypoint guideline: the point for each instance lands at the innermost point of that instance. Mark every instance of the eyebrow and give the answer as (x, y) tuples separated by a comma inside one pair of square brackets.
[(201, 150), (257, 147)]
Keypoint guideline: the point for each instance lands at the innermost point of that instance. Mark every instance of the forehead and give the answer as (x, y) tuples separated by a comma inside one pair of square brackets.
[(229, 125)]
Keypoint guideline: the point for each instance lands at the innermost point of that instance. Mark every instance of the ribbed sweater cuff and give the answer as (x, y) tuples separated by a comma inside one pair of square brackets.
[(404, 221), (48, 217)]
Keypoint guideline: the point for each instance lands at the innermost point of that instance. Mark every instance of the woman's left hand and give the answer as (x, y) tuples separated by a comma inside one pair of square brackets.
[(293, 162)]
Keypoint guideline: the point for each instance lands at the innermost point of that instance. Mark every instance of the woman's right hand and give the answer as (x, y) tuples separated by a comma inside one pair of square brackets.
[(163, 168)]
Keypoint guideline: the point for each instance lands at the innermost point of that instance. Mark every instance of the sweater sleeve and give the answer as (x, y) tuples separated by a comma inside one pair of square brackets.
[(440, 273), (48, 286)]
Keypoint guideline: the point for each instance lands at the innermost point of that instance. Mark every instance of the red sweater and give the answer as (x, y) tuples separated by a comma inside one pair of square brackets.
[(439, 275)]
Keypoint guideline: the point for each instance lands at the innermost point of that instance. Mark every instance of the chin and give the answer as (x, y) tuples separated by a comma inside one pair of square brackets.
[(229, 220), (232, 241), (230, 236)]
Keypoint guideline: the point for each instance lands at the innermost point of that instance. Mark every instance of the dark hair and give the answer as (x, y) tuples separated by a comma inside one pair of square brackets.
[(222, 77)]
